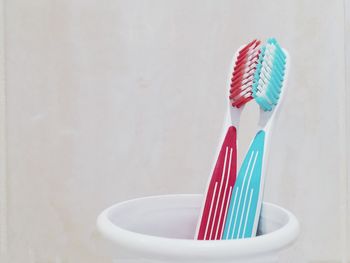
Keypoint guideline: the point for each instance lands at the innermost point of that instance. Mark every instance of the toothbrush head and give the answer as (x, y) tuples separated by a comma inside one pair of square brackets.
[(243, 74), (269, 75)]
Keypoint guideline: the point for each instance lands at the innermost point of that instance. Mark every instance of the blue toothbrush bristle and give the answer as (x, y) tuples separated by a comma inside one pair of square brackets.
[(269, 75)]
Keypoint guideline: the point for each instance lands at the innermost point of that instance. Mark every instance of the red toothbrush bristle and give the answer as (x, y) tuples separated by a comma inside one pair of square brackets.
[(243, 73)]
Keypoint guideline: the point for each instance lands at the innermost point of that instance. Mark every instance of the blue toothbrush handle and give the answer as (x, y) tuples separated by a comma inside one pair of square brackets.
[(244, 210)]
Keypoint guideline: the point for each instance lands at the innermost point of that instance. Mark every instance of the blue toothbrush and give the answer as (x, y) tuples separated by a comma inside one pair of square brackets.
[(245, 204)]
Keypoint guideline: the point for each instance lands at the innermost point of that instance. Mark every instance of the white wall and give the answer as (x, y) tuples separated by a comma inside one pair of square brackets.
[(110, 100), (346, 202)]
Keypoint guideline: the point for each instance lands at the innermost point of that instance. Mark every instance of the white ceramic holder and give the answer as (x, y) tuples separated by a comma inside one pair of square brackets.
[(161, 229)]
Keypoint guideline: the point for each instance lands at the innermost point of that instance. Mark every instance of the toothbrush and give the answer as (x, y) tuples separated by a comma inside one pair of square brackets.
[(268, 91), (214, 209)]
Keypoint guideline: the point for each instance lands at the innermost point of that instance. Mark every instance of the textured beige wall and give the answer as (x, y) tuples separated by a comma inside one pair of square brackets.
[(109, 100)]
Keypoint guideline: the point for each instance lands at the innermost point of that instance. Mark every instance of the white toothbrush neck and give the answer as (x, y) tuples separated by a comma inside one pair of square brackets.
[(235, 115), (266, 121), (266, 124)]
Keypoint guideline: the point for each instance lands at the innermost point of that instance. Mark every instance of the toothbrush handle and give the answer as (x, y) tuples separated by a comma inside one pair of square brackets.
[(245, 204), (219, 190)]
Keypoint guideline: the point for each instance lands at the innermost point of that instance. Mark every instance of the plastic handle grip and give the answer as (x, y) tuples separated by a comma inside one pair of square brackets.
[(245, 203), (219, 189)]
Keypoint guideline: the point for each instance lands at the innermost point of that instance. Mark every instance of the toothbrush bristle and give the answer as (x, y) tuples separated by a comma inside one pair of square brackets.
[(269, 75), (243, 74)]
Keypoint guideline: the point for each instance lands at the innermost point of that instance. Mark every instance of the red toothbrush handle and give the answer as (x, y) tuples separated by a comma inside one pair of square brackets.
[(220, 189)]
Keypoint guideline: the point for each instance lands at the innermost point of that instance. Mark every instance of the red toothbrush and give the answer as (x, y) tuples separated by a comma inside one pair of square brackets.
[(214, 210)]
